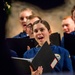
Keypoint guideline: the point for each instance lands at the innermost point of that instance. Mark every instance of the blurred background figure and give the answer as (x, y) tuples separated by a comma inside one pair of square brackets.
[(30, 22), (73, 13), (68, 26), (23, 17)]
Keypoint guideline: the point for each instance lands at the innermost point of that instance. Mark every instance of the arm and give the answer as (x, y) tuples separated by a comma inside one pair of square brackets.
[(67, 62)]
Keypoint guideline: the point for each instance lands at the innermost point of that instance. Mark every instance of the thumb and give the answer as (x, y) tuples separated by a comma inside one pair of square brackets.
[(28, 47)]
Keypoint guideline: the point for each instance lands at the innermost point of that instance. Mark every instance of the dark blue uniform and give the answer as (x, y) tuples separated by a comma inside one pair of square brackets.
[(21, 35), (62, 55), (72, 57)]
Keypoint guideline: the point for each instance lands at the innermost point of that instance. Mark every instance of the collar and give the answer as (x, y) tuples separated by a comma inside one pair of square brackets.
[(40, 46)]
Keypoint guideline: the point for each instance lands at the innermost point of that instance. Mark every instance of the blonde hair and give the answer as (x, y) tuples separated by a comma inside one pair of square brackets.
[(27, 9)]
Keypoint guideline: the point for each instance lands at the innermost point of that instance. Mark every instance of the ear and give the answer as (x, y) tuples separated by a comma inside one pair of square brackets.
[(50, 32), (74, 26)]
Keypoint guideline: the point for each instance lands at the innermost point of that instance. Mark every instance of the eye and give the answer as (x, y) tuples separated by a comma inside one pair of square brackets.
[(21, 18), (42, 29), (64, 25), (27, 17), (29, 25), (35, 31)]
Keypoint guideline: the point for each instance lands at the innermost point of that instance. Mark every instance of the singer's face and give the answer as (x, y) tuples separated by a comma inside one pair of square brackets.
[(68, 25), (41, 33), (24, 17), (29, 25)]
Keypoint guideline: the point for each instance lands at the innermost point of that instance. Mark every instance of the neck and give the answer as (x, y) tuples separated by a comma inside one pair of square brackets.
[(31, 36), (41, 44)]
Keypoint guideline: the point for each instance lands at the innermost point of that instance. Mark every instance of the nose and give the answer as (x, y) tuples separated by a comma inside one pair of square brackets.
[(39, 32), (25, 19), (64, 27)]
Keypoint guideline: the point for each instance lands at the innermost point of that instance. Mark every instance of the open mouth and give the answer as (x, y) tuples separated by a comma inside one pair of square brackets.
[(24, 24), (40, 38)]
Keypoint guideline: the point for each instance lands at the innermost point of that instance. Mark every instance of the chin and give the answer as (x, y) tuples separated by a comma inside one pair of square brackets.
[(41, 43)]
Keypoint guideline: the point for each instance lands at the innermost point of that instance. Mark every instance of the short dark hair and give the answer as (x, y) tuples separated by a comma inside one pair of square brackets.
[(45, 23)]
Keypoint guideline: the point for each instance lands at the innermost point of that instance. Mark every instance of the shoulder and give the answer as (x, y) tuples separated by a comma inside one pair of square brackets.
[(18, 35), (60, 52), (31, 53), (59, 49), (31, 50), (73, 33)]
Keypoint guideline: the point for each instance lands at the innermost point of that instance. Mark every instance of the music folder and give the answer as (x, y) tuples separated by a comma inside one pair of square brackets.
[(20, 44), (69, 43), (44, 57), (55, 38)]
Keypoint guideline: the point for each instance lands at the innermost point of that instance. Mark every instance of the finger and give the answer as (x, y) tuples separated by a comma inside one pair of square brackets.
[(40, 69), (31, 68)]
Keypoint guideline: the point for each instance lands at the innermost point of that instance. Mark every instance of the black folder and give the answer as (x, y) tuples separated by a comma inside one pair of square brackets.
[(55, 38), (20, 44), (45, 58), (69, 43)]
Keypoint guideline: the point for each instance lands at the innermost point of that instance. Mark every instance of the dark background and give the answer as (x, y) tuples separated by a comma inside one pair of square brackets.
[(44, 4)]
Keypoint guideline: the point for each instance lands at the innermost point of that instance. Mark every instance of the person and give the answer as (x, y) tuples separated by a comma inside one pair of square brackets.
[(68, 27), (23, 17), (42, 31), (73, 13), (30, 22)]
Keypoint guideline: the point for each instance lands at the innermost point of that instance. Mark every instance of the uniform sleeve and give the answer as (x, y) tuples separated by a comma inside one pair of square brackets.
[(17, 36), (67, 62), (25, 55), (29, 53)]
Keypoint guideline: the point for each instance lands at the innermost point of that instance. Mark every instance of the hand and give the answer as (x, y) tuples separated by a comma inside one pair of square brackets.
[(37, 72), (28, 47)]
